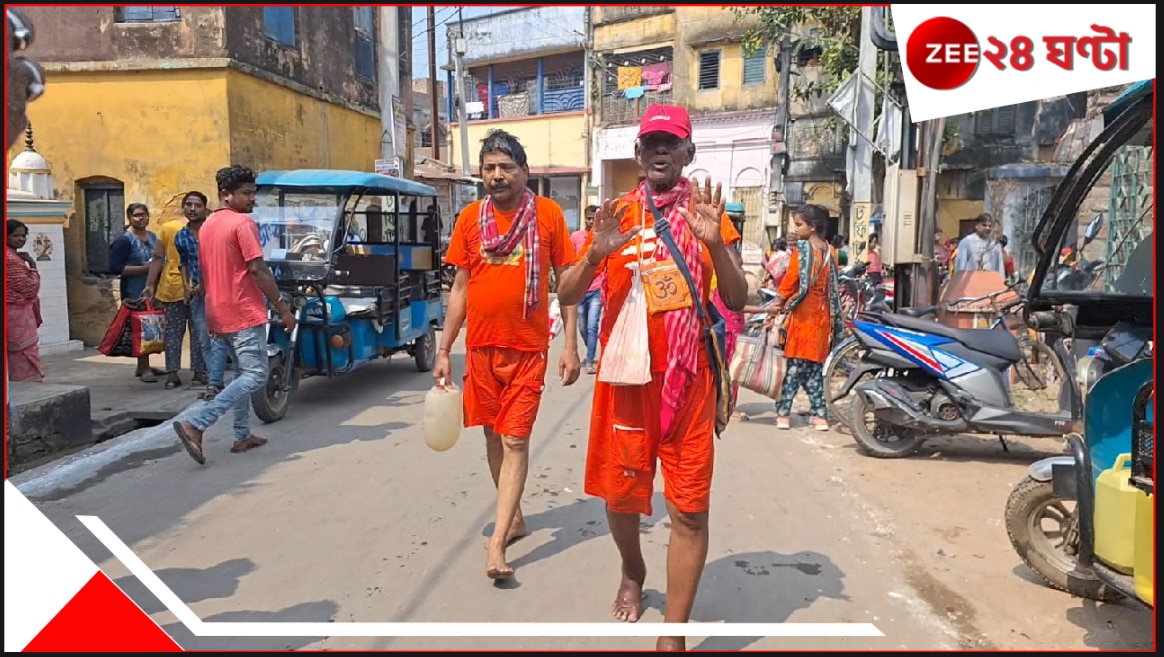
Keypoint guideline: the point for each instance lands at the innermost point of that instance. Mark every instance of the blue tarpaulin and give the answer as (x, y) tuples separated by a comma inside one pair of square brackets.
[(1125, 100)]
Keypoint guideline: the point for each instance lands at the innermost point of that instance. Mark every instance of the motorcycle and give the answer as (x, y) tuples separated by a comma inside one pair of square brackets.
[(945, 381), (1075, 271)]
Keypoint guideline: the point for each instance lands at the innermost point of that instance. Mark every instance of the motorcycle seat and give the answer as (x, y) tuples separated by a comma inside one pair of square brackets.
[(993, 342), (921, 311)]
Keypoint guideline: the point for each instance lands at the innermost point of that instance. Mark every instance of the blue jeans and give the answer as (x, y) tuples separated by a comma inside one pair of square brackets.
[(215, 353), (589, 318), (200, 337), (249, 348)]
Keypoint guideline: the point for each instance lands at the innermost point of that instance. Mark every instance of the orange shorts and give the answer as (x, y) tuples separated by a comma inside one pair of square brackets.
[(625, 446), (503, 389)]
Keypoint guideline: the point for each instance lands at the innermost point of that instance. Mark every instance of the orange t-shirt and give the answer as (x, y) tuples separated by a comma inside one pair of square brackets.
[(496, 295), (619, 277)]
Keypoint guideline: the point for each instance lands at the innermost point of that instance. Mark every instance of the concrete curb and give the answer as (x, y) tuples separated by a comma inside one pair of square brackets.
[(75, 471)]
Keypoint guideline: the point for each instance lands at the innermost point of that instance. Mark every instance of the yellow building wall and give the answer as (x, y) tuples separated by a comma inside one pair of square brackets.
[(273, 127), (625, 175), (163, 133), (951, 212), (160, 134), (657, 29), (550, 140)]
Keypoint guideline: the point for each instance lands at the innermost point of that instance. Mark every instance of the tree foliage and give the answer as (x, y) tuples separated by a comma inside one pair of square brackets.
[(835, 38)]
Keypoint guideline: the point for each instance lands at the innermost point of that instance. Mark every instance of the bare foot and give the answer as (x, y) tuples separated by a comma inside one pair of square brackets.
[(671, 644), (517, 531), (628, 602), (496, 567)]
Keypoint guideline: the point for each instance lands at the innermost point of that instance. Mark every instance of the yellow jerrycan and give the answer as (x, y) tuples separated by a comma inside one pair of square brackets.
[(1115, 516), (1145, 547)]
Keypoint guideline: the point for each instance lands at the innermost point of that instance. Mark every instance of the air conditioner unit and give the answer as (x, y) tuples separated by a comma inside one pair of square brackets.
[(900, 226)]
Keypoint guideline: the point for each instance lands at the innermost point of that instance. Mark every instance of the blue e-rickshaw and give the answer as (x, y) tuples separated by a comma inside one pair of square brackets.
[(357, 256)]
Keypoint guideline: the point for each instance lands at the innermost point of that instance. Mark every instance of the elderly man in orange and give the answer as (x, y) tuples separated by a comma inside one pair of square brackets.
[(503, 248), (671, 419)]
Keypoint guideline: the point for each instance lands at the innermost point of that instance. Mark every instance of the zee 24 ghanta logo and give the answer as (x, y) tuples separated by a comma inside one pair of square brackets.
[(944, 53)]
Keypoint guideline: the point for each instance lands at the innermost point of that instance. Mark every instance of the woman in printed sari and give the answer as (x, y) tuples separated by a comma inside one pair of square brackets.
[(809, 294), (22, 307)]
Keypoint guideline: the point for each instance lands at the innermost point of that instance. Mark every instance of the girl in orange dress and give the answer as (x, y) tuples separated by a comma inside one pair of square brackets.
[(809, 294)]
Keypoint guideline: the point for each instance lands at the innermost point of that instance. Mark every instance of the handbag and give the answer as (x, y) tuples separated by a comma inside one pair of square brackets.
[(134, 332), (758, 364), (714, 325)]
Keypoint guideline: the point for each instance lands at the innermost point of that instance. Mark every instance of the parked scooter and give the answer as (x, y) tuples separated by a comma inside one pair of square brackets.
[(1074, 271), (947, 381)]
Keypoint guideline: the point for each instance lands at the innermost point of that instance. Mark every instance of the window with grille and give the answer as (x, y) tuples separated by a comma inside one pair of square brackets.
[(279, 25), (709, 69), (146, 14), (756, 67), (998, 122), (365, 47)]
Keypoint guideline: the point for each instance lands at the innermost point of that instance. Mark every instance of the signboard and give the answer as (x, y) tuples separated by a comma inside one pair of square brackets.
[(400, 126), (389, 167)]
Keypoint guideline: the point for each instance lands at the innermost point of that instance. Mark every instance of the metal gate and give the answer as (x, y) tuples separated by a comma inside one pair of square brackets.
[(752, 199), (1132, 210), (1029, 210)]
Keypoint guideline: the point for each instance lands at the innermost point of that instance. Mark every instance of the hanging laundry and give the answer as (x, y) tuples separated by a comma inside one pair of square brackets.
[(666, 86), (656, 74), (629, 77), (635, 93)]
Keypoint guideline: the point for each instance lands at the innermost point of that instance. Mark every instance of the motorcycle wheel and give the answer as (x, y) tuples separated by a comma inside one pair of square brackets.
[(883, 441), (270, 403), (838, 406), (1026, 509)]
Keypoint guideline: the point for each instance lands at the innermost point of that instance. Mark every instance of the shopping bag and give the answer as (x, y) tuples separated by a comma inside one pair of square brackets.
[(758, 364), (556, 321), (148, 331), (626, 360), (117, 342)]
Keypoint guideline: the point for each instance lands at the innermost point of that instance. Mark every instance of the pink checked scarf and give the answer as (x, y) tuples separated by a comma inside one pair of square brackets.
[(523, 231), (682, 326)]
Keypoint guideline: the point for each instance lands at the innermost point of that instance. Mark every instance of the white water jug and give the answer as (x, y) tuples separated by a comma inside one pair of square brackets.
[(443, 416)]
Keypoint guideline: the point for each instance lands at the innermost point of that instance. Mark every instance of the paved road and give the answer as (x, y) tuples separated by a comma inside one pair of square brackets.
[(347, 516)]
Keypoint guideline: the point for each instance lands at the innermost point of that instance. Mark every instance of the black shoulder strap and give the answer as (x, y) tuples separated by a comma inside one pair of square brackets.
[(663, 232)]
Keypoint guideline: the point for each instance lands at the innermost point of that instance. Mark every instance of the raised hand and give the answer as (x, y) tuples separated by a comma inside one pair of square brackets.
[(608, 235), (707, 212)]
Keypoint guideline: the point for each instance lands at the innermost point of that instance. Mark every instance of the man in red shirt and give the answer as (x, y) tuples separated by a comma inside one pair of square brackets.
[(236, 283), (590, 310)]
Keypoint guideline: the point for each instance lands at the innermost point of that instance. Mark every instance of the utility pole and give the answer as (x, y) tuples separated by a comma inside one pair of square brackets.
[(780, 136), (389, 74), (861, 154), (406, 151), (457, 48), (434, 122), (925, 290)]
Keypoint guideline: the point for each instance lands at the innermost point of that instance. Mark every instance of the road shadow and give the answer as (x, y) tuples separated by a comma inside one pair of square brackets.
[(976, 449), (307, 612), (760, 587), (576, 523), (191, 585), (1117, 626)]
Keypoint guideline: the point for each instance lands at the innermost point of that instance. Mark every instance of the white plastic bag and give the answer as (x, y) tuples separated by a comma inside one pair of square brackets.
[(443, 416), (626, 360), (556, 321)]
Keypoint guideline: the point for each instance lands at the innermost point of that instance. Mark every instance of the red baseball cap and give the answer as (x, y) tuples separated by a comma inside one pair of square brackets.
[(671, 119)]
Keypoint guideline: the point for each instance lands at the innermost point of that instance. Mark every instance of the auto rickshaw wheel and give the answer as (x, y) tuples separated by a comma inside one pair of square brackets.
[(1050, 555), (270, 403), (424, 351)]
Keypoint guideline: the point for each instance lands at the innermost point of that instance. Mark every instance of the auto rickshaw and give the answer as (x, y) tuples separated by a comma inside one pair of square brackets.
[(357, 256), (1104, 548)]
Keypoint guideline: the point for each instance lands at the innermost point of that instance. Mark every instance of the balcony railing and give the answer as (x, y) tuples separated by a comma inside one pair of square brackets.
[(632, 82)]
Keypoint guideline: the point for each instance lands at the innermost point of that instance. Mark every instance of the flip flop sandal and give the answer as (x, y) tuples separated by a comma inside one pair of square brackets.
[(210, 393), (192, 448), (173, 383), (247, 445), (148, 377)]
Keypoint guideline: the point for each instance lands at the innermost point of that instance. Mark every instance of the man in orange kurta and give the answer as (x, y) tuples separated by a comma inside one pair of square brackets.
[(670, 420), (503, 247)]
